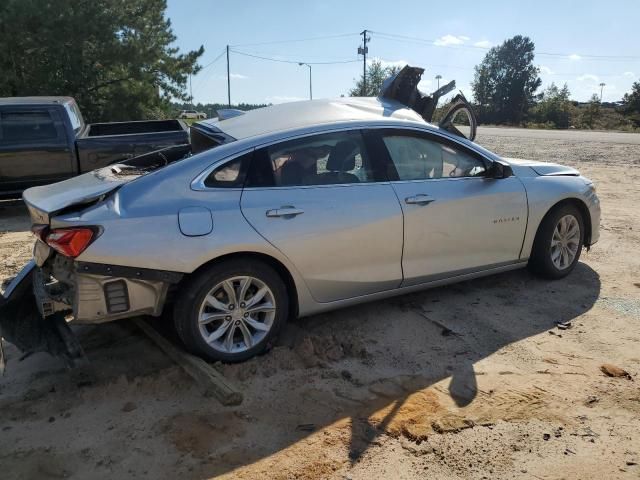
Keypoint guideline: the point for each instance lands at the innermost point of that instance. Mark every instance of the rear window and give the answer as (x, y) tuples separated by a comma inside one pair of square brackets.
[(27, 126), (74, 115), (231, 174)]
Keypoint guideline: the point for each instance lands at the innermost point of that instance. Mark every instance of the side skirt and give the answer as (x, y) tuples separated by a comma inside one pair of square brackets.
[(306, 310)]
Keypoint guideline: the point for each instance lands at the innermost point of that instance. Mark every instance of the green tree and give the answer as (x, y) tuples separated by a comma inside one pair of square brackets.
[(554, 107), (376, 74), (631, 104), (116, 57), (505, 82), (592, 111)]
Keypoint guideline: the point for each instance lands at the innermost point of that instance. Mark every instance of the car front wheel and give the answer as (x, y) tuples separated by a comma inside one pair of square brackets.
[(558, 243), (232, 311)]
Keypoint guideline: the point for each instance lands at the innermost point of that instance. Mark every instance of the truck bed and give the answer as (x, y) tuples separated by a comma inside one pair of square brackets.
[(102, 144), (129, 128)]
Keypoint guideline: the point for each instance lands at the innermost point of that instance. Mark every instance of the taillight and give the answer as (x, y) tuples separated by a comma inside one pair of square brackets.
[(69, 242)]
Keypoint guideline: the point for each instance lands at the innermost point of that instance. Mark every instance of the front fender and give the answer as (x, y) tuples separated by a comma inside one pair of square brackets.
[(544, 192)]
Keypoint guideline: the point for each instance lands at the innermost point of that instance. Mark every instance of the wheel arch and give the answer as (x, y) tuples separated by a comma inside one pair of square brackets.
[(274, 263), (582, 208)]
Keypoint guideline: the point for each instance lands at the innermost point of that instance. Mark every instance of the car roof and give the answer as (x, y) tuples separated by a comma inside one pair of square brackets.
[(296, 115), (34, 100)]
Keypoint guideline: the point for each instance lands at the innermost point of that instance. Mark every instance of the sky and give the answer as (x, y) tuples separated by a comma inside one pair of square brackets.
[(583, 43)]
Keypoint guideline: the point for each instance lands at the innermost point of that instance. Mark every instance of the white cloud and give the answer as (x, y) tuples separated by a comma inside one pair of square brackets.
[(545, 70), (575, 56), (425, 84), (449, 39), (629, 74), (588, 77), (234, 76), (283, 99), (388, 63), (483, 44)]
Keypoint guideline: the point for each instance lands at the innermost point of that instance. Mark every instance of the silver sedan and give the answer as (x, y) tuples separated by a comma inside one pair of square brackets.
[(296, 209)]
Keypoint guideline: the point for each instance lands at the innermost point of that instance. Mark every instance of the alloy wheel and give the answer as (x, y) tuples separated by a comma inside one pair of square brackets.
[(565, 242), (237, 314)]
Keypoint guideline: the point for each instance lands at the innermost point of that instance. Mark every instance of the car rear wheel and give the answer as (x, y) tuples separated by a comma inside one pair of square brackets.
[(558, 243), (231, 311)]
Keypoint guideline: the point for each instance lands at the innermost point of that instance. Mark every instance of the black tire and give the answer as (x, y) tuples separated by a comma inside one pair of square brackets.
[(540, 261), (192, 295)]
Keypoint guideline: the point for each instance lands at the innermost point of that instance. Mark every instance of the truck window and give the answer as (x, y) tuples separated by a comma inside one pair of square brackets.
[(31, 126), (74, 116)]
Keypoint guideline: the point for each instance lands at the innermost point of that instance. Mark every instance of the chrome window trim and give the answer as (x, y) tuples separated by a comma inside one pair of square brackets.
[(442, 179), (329, 185), (197, 183)]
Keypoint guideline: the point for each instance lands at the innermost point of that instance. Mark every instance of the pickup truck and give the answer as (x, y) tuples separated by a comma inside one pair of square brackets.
[(45, 140)]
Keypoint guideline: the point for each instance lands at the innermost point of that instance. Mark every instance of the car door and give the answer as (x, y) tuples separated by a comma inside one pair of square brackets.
[(34, 149), (456, 218), (325, 204)]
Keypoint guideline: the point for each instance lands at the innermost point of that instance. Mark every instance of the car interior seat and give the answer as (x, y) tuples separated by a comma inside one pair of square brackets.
[(341, 161)]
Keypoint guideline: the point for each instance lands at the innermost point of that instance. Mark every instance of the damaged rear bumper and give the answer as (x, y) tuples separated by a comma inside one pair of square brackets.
[(22, 324), (39, 301), (98, 293), (18, 284), (109, 292)]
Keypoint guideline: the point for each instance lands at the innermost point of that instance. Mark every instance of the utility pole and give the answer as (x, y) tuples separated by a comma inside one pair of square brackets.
[(363, 51), (310, 88), (601, 88), (438, 77), (190, 91), (228, 80)]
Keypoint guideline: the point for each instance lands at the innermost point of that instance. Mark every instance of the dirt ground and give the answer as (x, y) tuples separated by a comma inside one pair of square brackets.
[(473, 380)]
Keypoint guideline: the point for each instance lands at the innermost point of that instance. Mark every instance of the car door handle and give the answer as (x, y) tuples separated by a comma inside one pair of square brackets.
[(420, 199), (284, 212)]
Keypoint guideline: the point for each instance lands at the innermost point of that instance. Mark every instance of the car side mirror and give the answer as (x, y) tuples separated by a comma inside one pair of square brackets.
[(499, 170)]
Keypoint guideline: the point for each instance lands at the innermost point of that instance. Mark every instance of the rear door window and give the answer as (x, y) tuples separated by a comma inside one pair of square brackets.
[(27, 126), (325, 159)]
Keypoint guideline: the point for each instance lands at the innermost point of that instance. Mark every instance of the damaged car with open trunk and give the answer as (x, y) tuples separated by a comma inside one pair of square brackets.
[(290, 210)]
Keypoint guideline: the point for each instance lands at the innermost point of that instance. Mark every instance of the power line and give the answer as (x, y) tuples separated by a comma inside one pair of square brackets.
[(280, 60), (432, 43), (215, 59), (308, 39), (201, 79)]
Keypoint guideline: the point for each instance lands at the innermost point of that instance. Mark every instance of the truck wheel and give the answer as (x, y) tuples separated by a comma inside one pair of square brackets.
[(558, 243), (231, 311)]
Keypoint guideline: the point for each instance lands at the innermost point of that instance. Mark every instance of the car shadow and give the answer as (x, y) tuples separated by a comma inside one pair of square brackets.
[(425, 338), (395, 367)]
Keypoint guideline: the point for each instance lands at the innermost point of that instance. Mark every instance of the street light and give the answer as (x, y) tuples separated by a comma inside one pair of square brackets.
[(601, 87), (438, 77), (310, 89)]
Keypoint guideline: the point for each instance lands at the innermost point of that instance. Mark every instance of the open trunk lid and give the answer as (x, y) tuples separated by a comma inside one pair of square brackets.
[(46, 201)]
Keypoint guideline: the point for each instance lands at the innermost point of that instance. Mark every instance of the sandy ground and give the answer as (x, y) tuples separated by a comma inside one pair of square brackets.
[(468, 381)]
